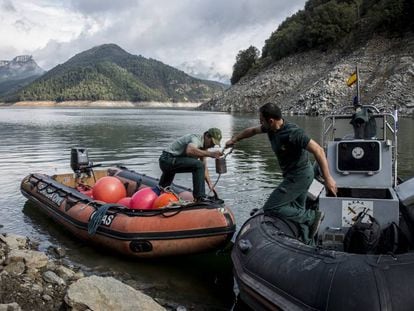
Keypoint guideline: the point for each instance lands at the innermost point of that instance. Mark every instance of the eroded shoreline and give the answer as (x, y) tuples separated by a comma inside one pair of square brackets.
[(100, 104)]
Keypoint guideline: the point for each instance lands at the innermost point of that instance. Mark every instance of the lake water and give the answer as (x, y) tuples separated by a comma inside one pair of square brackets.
[(40, 140)]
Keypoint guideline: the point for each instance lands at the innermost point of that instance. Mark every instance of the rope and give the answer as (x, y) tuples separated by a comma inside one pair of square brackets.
[(214, 185), (97, 217), (169, 189)]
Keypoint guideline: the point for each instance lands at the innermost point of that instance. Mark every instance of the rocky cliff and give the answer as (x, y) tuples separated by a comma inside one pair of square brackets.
[(315, 82), (20, 67), (18, 72)]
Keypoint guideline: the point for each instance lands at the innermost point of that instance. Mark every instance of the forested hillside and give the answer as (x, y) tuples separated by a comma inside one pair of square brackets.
[(107, 72), (305, 63)]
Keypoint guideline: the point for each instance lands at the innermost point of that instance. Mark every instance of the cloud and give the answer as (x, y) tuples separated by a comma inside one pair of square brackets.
[(194, 35), (7, 6)]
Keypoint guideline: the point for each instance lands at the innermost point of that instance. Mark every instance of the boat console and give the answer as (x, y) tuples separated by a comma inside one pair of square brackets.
[(362, 156)]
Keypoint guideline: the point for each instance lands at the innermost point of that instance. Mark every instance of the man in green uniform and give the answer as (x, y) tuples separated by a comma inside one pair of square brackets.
[(188, 155), (291, 146)]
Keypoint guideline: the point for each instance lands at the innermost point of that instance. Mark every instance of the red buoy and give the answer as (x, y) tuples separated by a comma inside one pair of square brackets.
[(108, 189), (143, 199), (126, 201), (164, 199)]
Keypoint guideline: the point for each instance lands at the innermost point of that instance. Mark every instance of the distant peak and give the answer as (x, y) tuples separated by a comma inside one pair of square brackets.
[(23, 58), (108, 46), (18, 60)]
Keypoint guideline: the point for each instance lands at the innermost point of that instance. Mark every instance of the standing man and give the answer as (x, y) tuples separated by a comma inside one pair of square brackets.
[(188, 155), (291, 146)]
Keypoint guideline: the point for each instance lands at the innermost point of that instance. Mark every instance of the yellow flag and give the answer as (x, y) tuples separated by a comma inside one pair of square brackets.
[(352, 79)]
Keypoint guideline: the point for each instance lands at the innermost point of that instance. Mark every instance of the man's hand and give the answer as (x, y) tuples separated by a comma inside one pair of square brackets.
[(215, 154), (229, 143), (330, 185)]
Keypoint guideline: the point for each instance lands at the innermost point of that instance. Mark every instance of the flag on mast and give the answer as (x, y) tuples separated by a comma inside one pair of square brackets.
[(352, 79)]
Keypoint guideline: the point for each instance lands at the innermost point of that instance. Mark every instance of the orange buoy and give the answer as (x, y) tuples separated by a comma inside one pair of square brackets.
[(164, 199), (143, 199), (126, 201), (108, 189)]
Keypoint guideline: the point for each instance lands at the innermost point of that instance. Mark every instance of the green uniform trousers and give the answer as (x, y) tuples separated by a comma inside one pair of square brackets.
[(288, 200), (170, 165)]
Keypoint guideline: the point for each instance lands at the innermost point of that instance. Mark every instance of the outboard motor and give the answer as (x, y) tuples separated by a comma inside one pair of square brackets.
[(79, 161)]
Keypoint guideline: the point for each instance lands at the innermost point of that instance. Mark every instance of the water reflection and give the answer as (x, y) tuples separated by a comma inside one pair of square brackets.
[(178, 280), (39, 140)]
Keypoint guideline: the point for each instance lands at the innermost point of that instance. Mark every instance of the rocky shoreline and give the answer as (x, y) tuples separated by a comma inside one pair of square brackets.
[(314, 82), (101, 104), (34, 280)]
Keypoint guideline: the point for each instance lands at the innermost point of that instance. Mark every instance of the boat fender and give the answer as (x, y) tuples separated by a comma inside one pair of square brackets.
[(245, 246)]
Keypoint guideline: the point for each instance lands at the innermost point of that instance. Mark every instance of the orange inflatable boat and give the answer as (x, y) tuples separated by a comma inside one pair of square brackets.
[(182, 227)]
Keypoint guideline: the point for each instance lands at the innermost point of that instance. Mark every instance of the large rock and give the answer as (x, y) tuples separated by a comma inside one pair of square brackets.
[(14, 241), (10, 307), (32, 259), (107, 293)]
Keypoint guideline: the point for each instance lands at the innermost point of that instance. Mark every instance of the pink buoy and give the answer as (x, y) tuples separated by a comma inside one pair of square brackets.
[(143, 199), (126, 201), (186, 196)]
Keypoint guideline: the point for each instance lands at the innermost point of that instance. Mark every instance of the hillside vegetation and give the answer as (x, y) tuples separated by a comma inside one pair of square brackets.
[(107, 72), (325, 25)]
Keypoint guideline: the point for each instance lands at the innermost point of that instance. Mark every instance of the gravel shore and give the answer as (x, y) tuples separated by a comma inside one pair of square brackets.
[(101, 104)]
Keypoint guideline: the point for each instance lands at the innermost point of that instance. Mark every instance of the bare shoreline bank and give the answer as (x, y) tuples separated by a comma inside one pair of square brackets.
[(100, 104)]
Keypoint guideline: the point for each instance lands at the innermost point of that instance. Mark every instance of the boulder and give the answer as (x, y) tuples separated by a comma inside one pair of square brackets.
[(107, 293)]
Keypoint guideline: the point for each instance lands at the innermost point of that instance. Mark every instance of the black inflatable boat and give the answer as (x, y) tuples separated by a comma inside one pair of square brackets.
[(274, 270)]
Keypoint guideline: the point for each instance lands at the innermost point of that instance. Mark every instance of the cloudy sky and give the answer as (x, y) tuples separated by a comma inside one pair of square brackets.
[(201, 37)]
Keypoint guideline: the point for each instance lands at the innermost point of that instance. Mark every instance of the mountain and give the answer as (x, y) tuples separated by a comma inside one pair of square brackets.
[(107, 72), (199, 70), (17, 73)]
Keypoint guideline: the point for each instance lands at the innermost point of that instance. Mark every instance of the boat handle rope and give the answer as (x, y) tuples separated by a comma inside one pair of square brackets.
[(49, 187), (42, 188), (97, 217), (173, 213), (62, 193)]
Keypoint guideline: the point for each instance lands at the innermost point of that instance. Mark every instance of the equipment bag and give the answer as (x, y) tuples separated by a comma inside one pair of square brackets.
[(393, 240), (363, 237)]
